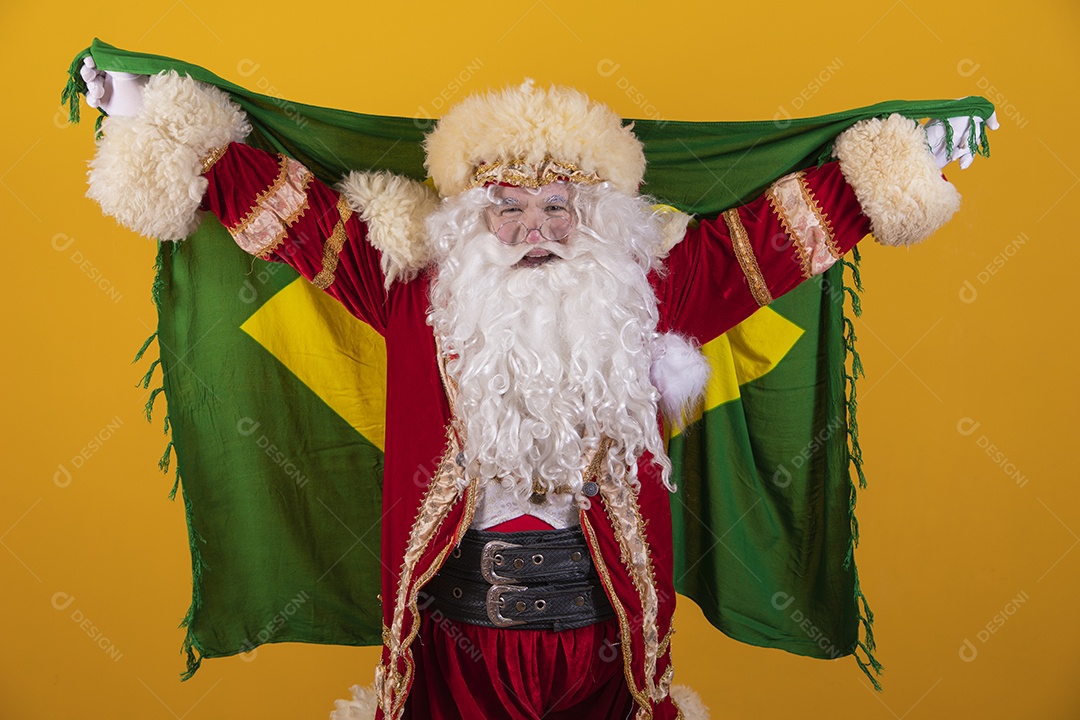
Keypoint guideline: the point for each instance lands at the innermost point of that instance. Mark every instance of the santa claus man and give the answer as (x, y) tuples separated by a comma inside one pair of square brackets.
[(536, 312)]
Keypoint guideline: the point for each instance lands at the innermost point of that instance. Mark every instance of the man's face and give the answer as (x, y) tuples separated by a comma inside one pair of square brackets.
[(540, 220)]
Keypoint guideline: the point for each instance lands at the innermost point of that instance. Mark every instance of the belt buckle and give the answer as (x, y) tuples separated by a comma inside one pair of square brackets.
[(494, 597), (487, 563)]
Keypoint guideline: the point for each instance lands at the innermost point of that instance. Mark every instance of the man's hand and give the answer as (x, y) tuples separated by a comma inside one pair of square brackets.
[(962, 127), (116, 93)]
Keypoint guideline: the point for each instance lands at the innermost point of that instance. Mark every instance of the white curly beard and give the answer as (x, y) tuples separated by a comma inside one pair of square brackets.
[(549, 358)]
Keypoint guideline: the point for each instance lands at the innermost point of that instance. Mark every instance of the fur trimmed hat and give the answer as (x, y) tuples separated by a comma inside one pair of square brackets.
[(530, 136)]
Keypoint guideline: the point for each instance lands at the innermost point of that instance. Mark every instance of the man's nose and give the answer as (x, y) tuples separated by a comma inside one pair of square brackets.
[(534, 219)]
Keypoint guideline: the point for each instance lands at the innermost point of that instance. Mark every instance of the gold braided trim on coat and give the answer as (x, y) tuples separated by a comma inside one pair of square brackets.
[(285, 198), (642, 700), (521, 174), (276, 209), (809, 230), (391, 685), (665, 644), (621, 505), (744, 253), (212, 157), (823, 220), (669, 674), (332, 247), (424, 579), (449, 386)]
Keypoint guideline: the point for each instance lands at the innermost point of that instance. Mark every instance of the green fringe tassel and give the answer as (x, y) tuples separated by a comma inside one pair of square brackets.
[(191, 645), (982, 147), (977, 147), (856, 275), (190, 649), (145, 382), (867, 662), (156, 291), (163, 463), (148, 409), (158, 288), (145, 345), (175, 486), (75, 87), (948, 136)]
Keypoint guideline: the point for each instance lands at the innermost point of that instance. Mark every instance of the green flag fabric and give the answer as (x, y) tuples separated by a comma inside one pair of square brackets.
[(278, 443)]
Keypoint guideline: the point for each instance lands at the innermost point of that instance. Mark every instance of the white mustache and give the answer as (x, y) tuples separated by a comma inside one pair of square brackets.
[(512, 254)]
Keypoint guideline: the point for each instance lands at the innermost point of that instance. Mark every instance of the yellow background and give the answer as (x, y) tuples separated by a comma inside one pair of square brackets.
[(950, 538)]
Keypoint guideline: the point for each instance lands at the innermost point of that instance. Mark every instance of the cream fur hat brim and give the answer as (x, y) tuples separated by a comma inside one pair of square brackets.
[(531, 126)]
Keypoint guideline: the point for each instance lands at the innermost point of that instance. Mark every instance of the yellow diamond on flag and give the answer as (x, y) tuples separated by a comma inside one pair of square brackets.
[(745, 352), (341, 359)]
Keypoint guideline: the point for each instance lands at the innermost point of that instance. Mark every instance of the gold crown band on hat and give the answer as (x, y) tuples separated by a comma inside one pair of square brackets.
[(521, 174)]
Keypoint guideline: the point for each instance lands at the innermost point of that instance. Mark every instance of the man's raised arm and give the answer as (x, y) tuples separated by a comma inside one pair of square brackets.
[(180, 151), (886, 181)]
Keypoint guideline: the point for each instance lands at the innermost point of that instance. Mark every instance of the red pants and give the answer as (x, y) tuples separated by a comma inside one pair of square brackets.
[(473, 672)]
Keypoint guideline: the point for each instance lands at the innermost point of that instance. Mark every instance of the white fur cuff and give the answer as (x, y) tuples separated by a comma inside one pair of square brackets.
[(680, 372), (394, 209), (148, 169), (896, 180), (362, 706)]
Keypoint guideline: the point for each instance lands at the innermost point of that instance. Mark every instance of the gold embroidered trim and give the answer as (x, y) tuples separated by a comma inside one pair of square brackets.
[(745, 255), (622, 510), (449, 387), (212, 157), (424, 579), (823, 220), (283, 234), (592, 469), (800, 251), (644, 706), (440, 497), (521, 174), (275, 210), (669, 673), (391, 685), (807, 227), (260, 199), (332, 247), (665, 644)]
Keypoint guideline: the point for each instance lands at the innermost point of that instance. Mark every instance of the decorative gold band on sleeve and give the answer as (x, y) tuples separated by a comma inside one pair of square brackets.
[(212, 157), (275, 210), (745, 255), (333, 246), (810, 232)]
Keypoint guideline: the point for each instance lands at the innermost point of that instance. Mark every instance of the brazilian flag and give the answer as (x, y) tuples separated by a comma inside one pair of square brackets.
[(276, 398)]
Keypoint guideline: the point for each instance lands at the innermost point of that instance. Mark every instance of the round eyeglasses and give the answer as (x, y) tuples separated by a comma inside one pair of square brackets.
[(556, 228)]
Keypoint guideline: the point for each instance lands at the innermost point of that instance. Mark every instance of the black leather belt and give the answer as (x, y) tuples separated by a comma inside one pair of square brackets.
[(535, 580)]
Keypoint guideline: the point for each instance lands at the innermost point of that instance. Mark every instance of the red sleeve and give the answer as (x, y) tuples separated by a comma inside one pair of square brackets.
[(276, 210), (728, 267)]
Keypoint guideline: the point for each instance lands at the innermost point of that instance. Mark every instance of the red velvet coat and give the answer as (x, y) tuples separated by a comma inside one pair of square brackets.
[(719, 274)]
